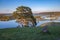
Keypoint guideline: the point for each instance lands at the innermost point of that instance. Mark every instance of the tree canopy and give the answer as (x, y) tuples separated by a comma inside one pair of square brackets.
[(24, 12)]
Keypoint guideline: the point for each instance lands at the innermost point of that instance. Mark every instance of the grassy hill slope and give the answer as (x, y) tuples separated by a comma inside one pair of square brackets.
[(32, 33)]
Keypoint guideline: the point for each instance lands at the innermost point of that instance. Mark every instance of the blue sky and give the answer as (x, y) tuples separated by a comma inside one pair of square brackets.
[(8, 6)]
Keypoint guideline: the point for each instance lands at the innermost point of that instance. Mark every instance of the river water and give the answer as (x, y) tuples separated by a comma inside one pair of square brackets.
[(13, 23)]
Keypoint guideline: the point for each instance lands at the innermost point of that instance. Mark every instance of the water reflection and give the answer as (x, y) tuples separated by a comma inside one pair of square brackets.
[(13, 23), (42, 22), (8, 24)]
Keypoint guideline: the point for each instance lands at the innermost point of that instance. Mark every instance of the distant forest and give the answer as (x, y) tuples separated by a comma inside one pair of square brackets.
[(8, 16)]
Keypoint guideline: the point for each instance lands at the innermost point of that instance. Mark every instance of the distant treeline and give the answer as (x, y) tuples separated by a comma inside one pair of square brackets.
[(8, 16), (5, 17)]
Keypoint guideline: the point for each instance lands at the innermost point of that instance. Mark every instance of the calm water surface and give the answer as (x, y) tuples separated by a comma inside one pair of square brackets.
[(8, 24), (13, 23)]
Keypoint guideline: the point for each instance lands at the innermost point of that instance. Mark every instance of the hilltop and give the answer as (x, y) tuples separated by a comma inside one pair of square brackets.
[(47, 13)]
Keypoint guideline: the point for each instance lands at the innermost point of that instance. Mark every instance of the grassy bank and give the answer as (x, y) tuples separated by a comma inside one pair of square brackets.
[(29, 33)]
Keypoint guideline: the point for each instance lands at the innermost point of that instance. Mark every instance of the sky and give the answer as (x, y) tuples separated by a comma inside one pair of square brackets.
[(9, 6)]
